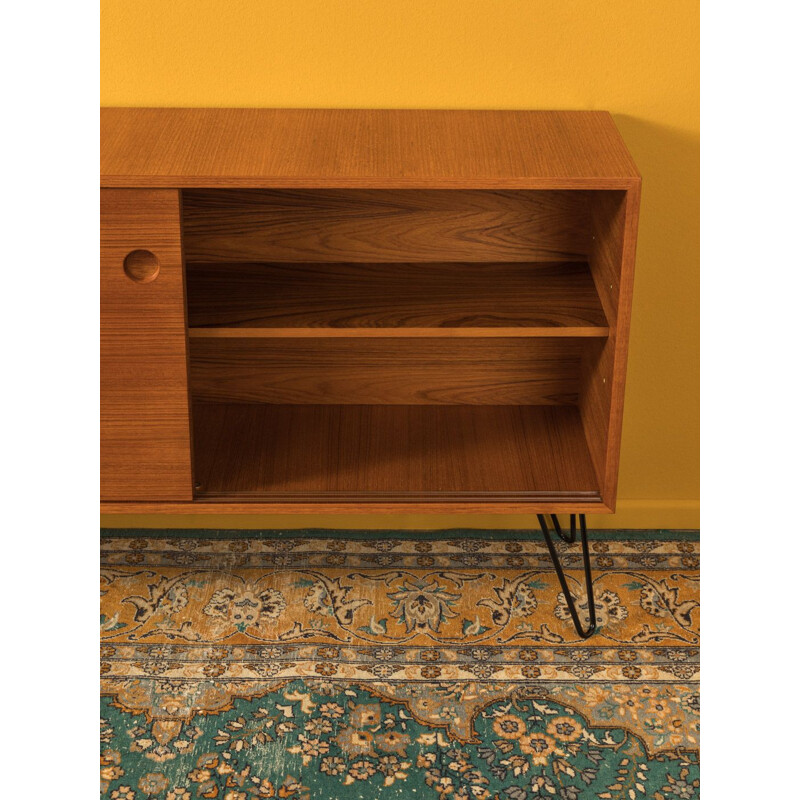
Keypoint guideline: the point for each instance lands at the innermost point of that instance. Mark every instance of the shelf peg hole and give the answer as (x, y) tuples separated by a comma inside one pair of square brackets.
[(141, 266)]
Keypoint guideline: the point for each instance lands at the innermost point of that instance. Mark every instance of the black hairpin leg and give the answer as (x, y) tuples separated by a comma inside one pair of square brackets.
[(587, 569)]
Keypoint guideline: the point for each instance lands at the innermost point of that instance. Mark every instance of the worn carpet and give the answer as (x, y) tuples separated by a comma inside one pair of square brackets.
[(335, 665)]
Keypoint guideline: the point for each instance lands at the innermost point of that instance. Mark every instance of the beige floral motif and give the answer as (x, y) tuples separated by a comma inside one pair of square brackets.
[(471, 545), (430, 655), (565, 729), (392, 769), (360, 771), (214, 670), (592, 695), (442, 784), (608, 608), (682, 671), (583, 671), (268, 669), (164, 740), (660, 600), (393, 742), (422, 604), (243, 609), (540, 747), (109, 768), (328, 597), (679, 653), (332, 765), (383, 671), (482, 671), (354, 742), (106, 731), (515, 598), (384, 545), (364, 716), (138, 544), (331, 710), (310, 747), (165, 595), (509, 726)]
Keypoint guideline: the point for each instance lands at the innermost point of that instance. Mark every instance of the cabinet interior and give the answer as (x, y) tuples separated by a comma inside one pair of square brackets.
[(397, 344)]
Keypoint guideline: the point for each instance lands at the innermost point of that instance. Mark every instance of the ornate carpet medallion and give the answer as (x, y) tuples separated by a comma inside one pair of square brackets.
[(319, 664)]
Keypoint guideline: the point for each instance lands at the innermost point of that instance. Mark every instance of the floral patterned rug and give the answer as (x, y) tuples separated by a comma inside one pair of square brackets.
[(356, 664)]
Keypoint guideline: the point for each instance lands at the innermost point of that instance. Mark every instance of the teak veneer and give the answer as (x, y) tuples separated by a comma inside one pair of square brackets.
[(335, 310)]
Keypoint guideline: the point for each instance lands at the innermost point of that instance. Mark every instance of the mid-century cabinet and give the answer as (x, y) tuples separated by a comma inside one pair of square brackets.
[(334, 310)]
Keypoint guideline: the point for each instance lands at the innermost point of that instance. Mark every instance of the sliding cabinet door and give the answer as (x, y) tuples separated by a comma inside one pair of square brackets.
[(145, 446)]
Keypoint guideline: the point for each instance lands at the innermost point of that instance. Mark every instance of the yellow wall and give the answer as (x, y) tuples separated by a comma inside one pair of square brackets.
[(639, 60)]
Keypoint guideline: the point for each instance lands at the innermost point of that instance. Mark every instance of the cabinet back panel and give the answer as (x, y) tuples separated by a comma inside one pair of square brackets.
[(492, 371), (384, 225)]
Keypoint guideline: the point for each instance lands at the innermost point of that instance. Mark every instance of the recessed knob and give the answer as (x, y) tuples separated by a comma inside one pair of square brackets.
[(141, 266)]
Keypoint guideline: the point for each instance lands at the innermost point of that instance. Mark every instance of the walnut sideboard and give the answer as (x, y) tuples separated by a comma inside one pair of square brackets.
[(386, 311)]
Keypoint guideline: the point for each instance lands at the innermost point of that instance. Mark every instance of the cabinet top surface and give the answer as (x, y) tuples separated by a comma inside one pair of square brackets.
[(338, 148)]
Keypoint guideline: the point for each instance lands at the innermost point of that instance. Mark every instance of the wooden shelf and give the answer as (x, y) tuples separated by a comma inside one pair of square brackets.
[(417, 299), (460, 454)]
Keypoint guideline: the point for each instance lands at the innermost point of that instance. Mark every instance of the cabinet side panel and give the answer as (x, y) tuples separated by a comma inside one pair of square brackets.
[(614, 220), (145, 451)]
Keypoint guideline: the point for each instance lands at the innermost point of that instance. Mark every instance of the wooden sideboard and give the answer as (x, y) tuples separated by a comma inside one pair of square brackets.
[(337, 310)]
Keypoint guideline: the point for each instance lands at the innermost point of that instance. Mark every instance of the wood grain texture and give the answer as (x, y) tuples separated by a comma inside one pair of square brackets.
[(342, 148), (614, 226), (317, 299), (396, 333), (145, 449), (224, 507), (607, 224), (296, 453), (514, 371), (385, 225), (344, 285)]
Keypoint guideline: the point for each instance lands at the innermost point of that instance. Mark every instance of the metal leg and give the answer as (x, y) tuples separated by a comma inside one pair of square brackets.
[(587, 569), (557, 527)]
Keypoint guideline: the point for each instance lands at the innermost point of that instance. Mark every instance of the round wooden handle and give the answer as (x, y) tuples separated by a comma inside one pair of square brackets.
[(141, 266)]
